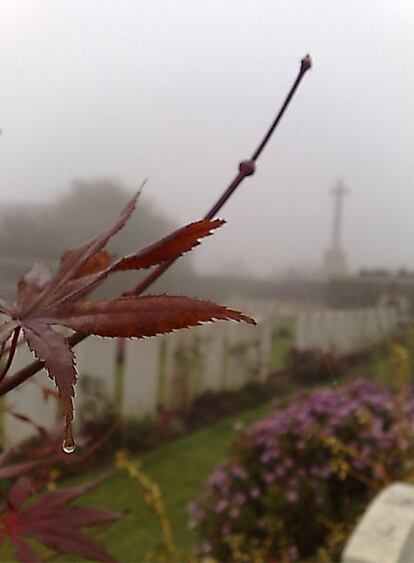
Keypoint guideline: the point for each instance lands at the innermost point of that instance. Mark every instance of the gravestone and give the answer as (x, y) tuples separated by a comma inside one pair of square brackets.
[(242, 362), (96, 357), (181, 368), (385, 534), (212, 356), (29, 400), (141, 377)]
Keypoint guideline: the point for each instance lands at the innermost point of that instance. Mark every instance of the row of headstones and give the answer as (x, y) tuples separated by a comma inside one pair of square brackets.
[(344, 332), (170, 370)]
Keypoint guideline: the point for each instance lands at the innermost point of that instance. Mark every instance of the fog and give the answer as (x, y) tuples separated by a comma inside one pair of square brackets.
[(180, 91)]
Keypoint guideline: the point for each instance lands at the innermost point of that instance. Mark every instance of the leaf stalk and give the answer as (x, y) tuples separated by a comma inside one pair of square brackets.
[(246, 168)]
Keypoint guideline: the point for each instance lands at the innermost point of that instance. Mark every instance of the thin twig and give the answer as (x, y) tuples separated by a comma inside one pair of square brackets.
[(246, 168), (3, 348), (11, 351)]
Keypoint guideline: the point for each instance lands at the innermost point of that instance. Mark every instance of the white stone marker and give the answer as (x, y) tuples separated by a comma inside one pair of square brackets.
[(28, 400), (385, 534), (182, 368), (212, 356), (96, 357), (141, 377), (243, 360)]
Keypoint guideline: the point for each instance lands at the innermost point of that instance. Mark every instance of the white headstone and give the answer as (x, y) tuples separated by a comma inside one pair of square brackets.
[(181, 367), (96, 357), (28, 400), (243, 362), (385, 534), (212, 356), (141, 377)]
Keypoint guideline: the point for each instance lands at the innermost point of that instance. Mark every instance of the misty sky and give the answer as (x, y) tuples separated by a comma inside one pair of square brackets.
[(180, 91)]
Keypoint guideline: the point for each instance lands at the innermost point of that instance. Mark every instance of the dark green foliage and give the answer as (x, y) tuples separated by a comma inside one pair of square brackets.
[(309, 367)]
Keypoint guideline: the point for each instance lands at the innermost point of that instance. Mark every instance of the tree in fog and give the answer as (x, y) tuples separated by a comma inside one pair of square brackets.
[(30, 233)]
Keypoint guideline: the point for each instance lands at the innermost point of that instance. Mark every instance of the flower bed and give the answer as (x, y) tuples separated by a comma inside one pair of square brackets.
[(298, 479)]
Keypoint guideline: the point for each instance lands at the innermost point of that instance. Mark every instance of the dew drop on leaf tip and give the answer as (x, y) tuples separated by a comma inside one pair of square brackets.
[(68, 447)]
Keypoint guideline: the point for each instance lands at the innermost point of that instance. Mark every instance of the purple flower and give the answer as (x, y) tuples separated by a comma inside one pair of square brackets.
[(268, 477), (239, 497), (197, 514), (254, 492), (357, 464), (292, 495), (239, 472), (297, 448), (219, 479), (280, 471), (221, 506), (289, 463), (293, 553), (205, 547), (234, 512)]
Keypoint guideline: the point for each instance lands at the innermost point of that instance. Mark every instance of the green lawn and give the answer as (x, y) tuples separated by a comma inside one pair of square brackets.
[(179, 469)]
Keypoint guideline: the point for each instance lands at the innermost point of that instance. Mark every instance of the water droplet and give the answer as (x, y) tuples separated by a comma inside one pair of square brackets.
[(68, 447)]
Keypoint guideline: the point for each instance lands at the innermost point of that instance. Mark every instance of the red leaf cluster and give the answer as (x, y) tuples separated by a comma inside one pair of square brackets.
[(53, 521), (46, 300)]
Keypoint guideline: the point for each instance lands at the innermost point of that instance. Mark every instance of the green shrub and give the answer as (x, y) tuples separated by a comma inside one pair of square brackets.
[(309, 367)]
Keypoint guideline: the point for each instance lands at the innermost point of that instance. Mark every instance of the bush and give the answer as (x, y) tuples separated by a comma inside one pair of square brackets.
[(137, 435), (309, 367), (304, 474)]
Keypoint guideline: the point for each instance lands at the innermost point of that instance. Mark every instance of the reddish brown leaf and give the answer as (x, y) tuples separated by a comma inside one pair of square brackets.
[(24, 418), (17, 469), (32, 283), (24, 552), (168, 248), (6, 455), (140, 316), (45, 301), (72, 541), (55, 499), (52, 521), (19, 492), (47, 393), (95, 264), (6, 330), (53, 349), (78, 516), (74, 260)]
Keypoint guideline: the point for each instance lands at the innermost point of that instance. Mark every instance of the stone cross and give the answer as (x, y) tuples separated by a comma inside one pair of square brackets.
[(335, 259), (338, 192)]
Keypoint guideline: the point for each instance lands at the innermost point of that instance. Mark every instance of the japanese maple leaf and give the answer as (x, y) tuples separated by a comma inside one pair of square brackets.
[(52, 520), (46, 301)]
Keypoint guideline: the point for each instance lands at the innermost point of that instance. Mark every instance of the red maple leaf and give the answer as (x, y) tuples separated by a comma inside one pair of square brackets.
[(46, 300), (53, 521)]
